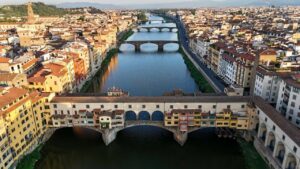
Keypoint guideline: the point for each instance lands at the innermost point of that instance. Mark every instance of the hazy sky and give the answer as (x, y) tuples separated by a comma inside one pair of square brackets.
[(97, 1)]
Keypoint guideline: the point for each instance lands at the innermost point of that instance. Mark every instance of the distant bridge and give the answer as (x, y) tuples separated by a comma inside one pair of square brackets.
[(160, 27), (160, 43)]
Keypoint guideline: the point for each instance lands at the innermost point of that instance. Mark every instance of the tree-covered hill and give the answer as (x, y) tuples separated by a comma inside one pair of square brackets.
[(38, 8)]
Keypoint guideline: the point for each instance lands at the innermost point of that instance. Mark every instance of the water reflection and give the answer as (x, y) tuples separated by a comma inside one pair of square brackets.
[(146, 74), (154, 36), (141, 147)]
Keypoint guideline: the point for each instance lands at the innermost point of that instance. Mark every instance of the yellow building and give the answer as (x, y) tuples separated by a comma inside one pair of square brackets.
[(268, 55), (13, 79), (6, 158), (185, 118), (51, 78), (25, 118)]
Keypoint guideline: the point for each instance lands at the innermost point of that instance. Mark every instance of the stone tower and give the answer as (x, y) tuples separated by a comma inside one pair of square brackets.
[(30, 14)]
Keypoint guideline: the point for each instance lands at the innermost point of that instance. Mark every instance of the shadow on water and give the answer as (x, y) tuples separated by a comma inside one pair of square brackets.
[(142, 147)]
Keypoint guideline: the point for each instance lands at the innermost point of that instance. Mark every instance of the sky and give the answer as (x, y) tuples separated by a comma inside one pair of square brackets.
[(2, 2)]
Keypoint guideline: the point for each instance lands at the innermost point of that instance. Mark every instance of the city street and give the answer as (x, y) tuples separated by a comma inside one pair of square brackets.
[(185, 43)]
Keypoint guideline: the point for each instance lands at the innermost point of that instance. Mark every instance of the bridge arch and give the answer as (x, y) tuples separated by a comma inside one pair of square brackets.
[(127, 47), (130, 115), (144, 115), (262, 133), (291, 162), (157, 116), (149, 47), (171, 47), (280, 152), (174, 30), (154, 30), (142, 30), (158, 124), (271, 141), (165, 29)]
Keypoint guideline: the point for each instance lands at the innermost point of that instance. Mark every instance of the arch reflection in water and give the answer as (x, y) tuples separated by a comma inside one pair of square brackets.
[(126, 47), (149, 47), (171, 47), (174, 30), (165, 29), (141, 147), (154, 30)]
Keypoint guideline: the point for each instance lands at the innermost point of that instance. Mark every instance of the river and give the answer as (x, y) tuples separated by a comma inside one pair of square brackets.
[(140, 148), (142, 74)]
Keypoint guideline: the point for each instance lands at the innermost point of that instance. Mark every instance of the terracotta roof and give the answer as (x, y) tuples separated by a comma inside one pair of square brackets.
[(4, 60), (7, 76), (268, 52), (30, 63), (7, 97)]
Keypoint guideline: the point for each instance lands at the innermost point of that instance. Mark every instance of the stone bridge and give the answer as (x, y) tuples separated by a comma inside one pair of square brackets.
[(276, 139), (160, 27), (170, 29), (159, 43)]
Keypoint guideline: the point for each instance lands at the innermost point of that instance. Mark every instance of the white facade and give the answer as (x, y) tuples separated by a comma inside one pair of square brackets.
[(267, 87), (288, 102), (279, 147), (200, 47)]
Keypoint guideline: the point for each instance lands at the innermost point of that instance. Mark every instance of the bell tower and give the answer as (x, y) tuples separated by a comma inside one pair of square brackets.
[(30, 14)]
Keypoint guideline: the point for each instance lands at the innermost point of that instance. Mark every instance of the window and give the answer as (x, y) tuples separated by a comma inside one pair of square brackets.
[(143, 106), (274, 127), (199, 106), (74, 106), (283, 137), (102, 106), (171, 106), (185, 106), (228, 106), (295, 149), (242, 106), (87, 106), (214, 106), (266, 119), (116, 106), (292, 104), (294, 97), (129, 106), (55, 105), (157, 106)]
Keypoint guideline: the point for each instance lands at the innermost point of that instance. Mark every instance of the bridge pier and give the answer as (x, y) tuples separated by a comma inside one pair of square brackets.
[(180, 137), (160, 47), (109, 136)]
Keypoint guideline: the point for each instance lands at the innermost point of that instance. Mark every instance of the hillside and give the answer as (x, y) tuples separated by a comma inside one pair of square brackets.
[(38, 8)]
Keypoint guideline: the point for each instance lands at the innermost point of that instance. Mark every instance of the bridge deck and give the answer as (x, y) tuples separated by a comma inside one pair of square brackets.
[(142, 99), (159, 25), (153, 41)]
